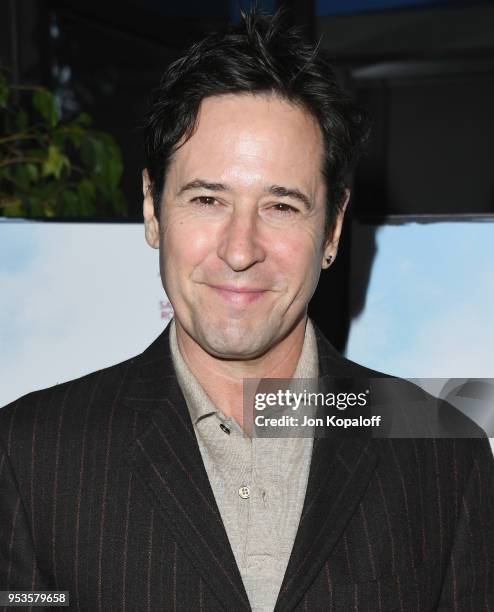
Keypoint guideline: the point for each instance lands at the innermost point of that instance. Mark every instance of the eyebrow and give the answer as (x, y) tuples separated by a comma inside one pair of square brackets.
[(296, 194), (277, 190), (201, 184)]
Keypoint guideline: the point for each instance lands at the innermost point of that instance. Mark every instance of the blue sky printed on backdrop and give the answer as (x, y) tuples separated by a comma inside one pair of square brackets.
[(429, 310), (75, 297)]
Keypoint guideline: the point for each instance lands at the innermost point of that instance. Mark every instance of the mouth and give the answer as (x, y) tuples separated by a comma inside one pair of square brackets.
[(241, 296)]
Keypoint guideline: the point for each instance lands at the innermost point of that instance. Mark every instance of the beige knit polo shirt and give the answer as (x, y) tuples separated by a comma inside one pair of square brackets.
[(259, 483)]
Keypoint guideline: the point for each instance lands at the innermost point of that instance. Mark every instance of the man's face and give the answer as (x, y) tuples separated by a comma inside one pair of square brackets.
[(241, 230)]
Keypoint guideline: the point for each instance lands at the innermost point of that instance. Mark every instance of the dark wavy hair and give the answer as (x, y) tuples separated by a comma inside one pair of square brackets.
[(258, 56)]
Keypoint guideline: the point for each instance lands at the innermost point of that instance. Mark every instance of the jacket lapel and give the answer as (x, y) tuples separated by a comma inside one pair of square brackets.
[(340, 471), (167, 462)]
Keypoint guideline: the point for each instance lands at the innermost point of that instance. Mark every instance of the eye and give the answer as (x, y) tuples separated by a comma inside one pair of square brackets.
[(204, 200), (285, 209)]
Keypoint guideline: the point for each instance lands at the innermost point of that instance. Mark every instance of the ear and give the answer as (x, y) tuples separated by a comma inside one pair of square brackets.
[(151, 225), (331, 245)]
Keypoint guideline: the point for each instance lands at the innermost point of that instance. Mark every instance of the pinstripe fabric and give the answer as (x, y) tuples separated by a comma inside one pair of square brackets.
[(103, 493)]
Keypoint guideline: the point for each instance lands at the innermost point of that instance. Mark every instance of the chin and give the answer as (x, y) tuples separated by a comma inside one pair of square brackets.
[(234, 342)]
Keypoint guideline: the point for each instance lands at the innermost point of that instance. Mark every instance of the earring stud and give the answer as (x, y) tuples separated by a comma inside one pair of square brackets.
[(329, 259)]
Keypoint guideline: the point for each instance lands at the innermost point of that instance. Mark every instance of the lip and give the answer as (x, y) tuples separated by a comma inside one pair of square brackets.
[(238, 295)]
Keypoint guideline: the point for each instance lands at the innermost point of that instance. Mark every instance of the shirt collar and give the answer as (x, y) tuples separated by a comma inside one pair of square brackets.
[(198, 401)]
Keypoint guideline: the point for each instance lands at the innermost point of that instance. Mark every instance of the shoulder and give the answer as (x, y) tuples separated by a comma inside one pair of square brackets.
[(65, 404), (87, 414)]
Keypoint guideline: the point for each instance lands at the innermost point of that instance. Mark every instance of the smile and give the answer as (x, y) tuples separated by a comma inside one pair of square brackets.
[(241, 296)]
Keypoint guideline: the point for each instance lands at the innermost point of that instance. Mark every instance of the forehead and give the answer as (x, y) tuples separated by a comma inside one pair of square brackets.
[(246, 137)]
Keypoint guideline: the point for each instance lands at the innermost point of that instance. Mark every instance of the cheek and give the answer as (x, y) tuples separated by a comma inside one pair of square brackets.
[(299, 253), (185, 243)]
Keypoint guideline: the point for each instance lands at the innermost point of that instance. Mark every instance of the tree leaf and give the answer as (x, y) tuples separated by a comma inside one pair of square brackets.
[(74, 133), (36, 204), (69, 204), (99, 155), (11, 207), (21, 120), (83, 120), (114, 162), (46, 105), (62, 168), (25, 174), (107, 160), (55, 162), (87, 153), (86, 192)]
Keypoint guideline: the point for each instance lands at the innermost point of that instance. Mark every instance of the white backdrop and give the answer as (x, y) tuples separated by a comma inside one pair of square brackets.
[(74, 298)]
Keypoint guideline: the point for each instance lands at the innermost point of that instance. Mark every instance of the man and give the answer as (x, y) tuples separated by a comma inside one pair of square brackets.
[(136, 487)]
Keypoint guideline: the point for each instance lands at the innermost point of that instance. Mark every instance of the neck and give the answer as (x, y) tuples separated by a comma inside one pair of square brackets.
[(222, 379)]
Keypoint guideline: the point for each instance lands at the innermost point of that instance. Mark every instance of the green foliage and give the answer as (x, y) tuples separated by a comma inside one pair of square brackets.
[(50, 167), (46, 105)]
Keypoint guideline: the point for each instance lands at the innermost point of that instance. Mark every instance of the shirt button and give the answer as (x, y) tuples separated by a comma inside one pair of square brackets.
[(224, 428), (244, 492)]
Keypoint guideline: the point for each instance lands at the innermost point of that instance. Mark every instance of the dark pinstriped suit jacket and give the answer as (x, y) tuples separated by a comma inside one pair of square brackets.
[(104, 494)]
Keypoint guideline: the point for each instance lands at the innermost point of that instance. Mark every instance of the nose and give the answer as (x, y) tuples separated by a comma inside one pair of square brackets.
[(240, 245)]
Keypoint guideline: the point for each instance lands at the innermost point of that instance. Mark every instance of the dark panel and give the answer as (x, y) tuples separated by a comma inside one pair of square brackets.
[(419, 34), (345, 7), (441, 146)]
